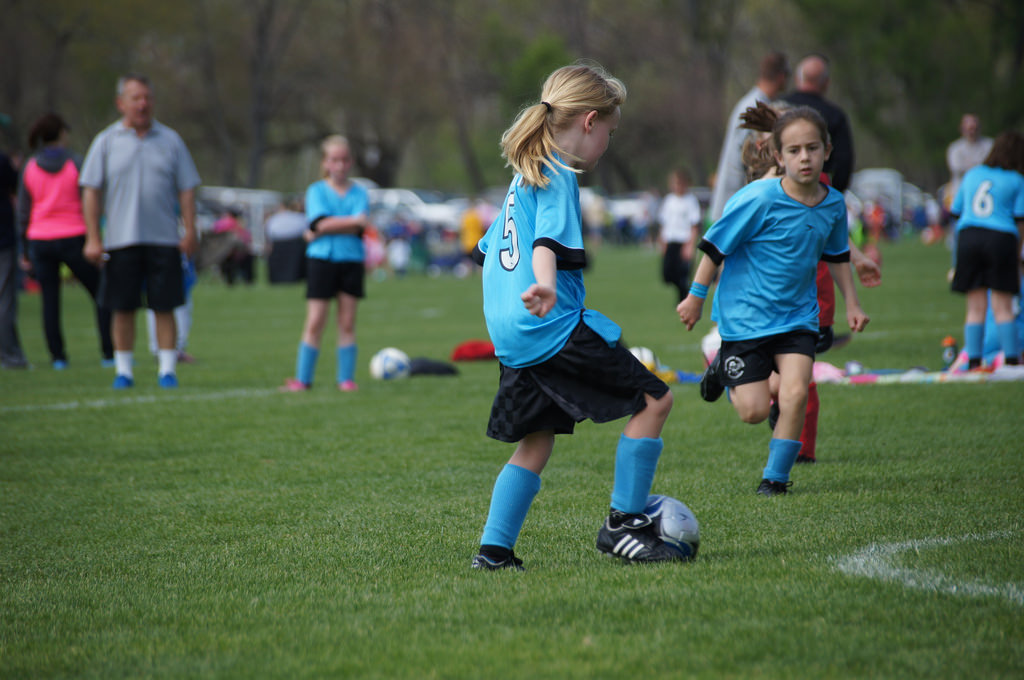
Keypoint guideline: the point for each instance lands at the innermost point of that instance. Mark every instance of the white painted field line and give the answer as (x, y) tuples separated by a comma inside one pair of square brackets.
[(876, 561), (143, 399)]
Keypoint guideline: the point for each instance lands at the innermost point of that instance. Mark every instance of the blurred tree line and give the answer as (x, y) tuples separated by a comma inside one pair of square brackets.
[(423, 88)]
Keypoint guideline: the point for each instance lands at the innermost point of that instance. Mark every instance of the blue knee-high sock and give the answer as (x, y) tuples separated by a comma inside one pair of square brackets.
[(346, 363), (305, 364), (514, 491), (1008, 339), (636, 461), (782, 455), (974, 340)]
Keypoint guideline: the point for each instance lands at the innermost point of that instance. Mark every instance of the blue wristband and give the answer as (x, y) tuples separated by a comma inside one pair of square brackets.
[(698, 290)]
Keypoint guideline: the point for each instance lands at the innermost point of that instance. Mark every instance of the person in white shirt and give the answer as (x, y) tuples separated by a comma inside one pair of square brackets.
[(680, 219), (773, 74)]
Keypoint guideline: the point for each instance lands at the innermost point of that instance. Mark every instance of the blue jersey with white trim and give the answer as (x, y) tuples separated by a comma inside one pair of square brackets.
[(990, 198), (771, 245), (532, 217)]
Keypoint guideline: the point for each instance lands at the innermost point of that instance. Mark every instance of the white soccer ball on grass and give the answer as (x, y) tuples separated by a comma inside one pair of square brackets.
[(390, 364)]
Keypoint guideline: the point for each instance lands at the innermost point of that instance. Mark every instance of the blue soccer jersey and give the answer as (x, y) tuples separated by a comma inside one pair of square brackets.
[(771, 244), (534, 217), (990, 198), (323, 201)]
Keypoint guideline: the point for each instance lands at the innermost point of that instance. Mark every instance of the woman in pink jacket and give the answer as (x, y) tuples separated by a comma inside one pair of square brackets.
[(53, 230)]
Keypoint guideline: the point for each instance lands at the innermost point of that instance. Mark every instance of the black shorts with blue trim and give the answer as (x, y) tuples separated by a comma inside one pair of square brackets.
[(587, 379)]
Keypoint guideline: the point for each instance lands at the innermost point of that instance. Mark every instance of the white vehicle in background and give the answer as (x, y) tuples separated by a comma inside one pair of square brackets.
[(429, 208)]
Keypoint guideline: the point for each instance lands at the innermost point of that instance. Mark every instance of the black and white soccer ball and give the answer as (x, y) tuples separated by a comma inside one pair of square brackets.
[(390, 364), (675, 524)]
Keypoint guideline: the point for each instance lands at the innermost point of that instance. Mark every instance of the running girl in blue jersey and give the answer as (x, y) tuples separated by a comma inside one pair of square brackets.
[(560, 362), (336, 214), (769, 241), (989, 207)]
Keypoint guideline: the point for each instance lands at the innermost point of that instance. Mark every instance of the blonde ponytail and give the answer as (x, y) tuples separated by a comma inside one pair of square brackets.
[(528, 145)]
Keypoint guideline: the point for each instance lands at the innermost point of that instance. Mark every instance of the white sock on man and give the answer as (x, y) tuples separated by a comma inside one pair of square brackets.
[(123, 363), (168, 361)]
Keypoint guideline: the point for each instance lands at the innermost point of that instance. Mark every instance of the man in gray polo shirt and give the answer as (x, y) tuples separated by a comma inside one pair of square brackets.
[(139, 174)]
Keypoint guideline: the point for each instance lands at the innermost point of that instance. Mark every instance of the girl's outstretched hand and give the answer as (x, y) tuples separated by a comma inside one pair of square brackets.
[(690, 310), (539, 299)]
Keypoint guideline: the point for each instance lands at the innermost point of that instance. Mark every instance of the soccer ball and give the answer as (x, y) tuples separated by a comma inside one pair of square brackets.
[(645, 356), (675, 524), (390, 364)]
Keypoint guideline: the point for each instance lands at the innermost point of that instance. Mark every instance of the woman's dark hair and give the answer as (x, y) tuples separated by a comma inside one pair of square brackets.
[(1007, 152), (46, 129)]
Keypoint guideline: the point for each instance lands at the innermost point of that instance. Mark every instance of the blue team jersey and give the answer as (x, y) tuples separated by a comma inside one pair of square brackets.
[(772, 244), (323, 201), (990, 198), (534, 217)]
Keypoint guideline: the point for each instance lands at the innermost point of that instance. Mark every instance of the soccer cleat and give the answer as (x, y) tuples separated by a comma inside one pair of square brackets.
[(770, 488), (348, 386), (168, 381), (510, 563), (711, 386), (806, 459), (294, 385), (633, 539), (123, 382), (60, 364)]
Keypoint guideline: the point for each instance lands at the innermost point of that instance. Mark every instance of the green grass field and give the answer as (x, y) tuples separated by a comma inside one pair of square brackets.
[(226, 530)]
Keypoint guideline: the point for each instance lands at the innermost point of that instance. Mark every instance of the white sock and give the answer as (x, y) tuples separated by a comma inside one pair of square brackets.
[(123, 363), (168, 359)]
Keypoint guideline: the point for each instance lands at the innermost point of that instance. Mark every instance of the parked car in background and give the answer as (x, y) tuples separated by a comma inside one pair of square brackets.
[(429, 208)]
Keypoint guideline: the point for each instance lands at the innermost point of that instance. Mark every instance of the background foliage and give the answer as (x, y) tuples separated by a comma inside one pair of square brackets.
[(424, 88)]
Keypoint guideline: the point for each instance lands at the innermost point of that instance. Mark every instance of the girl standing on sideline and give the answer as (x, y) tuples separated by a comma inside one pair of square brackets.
[(53, 229), (769, 241), (680, 219), (336, 213), (560, 362), (989, 208)]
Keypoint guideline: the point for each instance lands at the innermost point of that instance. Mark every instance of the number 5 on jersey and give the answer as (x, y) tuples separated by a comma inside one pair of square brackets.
[(509, 255)]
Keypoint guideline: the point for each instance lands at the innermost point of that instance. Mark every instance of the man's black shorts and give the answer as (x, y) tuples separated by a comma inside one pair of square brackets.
[(325, 279), (749, 361), (154, 271), (586, 379)]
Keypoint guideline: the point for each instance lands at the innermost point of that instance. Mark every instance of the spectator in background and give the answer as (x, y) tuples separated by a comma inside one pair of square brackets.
[(52, 228), (680, 219), (812, 81), (286, 261), (139, 173), (236, 258), (11, 354), (965, 153), (773, 75)]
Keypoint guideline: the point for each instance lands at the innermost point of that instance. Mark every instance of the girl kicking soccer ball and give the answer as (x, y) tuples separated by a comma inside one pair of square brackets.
[(560, 362), (769, 241)]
